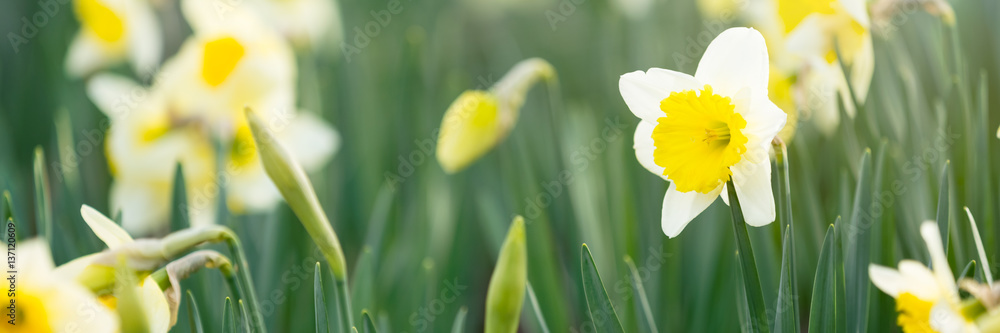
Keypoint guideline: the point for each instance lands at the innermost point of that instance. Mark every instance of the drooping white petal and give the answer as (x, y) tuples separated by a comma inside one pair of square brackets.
[(309, 139), (931, 235), (679, 208), (112, 93), (736, 59), (643, 92), (155, 305), (85, 55), (753, 188), (144, 38), (144, 207), (107, 230), (887, 279), (643, 145), (863, 67)]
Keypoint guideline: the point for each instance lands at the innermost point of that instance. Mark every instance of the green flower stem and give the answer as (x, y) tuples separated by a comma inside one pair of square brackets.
[(751, 281)]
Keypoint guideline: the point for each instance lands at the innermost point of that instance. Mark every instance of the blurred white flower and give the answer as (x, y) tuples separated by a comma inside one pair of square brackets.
[(927, 300), (699, 132), (49, 302), (112, 31), (803, 38), (306, 23), (194, 108)]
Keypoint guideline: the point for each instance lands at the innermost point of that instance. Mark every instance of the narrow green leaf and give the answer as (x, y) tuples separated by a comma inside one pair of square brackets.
[(602, 311), (969, 271), (536, 309), (751, 281), (194, 318), (458, 326), (319, 301), (179, 218), (944, 206), (822, 310), (244, 317), (129, 298), (43, 200), (368, 326), (228, 317), (784, 203), (980, 249), (785, 319), (857, 247), (643, 312), (363, 288), (8, 207), (742, 308)]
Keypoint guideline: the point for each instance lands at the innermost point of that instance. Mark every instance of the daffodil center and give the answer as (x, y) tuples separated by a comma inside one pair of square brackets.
[(31, 314), (792, 12), (914, 313), (220, 59), (699, 137), (100, 20)]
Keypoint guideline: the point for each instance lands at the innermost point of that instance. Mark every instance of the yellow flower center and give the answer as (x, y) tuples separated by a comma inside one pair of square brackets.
[(243, 150), (100, 19), (31, 314), (221, 57), (914, 314), (792, 12), (699, 139)]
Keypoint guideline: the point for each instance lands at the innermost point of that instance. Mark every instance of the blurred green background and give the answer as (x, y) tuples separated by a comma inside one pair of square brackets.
[(411, 236)]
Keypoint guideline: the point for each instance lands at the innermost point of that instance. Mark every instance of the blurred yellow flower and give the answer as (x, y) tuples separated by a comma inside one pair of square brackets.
[(112, 31), (699, 132), (48, 302), (478, 120), (804, 37), (927, 301), (197, 102)]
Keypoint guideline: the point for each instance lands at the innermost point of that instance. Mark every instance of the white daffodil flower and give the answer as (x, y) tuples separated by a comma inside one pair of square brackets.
[(112, 31), (47, 302), (700, 131), (811, 32), (927, 300), (306, 23), (154, 301)]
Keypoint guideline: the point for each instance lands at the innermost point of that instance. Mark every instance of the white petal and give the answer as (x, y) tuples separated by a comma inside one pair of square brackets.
[(764, 120), (112, 93), (679, 208), (643, 92), (145, 41), (85, 55), (931, 235), (107, 230), (35, 257), (736, 59), (920, 281), (644, 148), (887, 279), (309, 139), (144, 207), (858, 10), (863, 67), (753, 188), (809, 38), (155, 305)]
